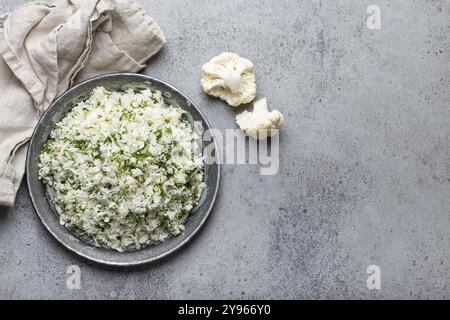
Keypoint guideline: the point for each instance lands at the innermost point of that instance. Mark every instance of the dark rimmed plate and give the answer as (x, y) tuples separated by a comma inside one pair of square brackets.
[(41, 200)]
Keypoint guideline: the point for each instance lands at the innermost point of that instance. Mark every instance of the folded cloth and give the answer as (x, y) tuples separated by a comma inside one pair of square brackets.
[(45, 48)]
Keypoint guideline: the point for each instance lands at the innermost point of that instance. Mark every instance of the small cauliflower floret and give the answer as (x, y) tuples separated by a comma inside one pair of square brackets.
[(230, 78), (260, 123)]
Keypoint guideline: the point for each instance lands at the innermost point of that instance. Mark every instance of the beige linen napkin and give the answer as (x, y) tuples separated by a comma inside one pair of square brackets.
[(47, 47)]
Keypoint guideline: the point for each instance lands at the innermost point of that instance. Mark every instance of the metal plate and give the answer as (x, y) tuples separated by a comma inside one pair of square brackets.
[(40, 199)]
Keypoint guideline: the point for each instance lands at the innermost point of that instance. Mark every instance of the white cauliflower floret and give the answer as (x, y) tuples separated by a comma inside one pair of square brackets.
[(260, 123), (230, 78)]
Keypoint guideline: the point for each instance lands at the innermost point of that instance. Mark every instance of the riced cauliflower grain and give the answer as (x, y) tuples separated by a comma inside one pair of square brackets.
[(123, 169)]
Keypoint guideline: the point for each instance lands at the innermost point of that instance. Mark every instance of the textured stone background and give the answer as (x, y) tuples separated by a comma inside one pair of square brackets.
[(365, 170)]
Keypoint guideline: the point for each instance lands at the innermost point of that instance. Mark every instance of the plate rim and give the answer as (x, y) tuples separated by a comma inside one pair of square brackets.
[(142, 261)]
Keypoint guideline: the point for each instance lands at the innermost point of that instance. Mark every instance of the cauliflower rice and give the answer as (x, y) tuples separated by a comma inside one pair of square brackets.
[(123, 169)]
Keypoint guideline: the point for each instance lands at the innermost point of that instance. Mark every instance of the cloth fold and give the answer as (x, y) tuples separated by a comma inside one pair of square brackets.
[(45, 48)]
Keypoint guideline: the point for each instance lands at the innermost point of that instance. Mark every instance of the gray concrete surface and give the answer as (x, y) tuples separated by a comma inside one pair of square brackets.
[(365, 161)]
